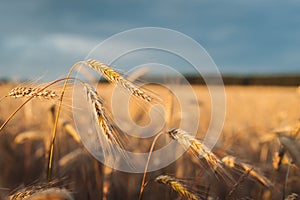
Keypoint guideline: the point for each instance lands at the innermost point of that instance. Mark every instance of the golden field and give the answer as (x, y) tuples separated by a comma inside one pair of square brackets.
[(257, 118)]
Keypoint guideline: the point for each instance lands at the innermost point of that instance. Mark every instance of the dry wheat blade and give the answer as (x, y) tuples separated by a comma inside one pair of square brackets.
[(41, 194)]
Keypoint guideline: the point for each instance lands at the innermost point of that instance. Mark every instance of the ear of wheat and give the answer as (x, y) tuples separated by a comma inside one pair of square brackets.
[(116, 78), (107, 134), (292, 196), (177, 186), (200, 150), (39, 193), (36, 191), (233, 163), (20, 92)]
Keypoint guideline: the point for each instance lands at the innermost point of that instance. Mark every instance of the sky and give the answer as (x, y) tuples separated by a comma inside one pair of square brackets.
[(45, 38)]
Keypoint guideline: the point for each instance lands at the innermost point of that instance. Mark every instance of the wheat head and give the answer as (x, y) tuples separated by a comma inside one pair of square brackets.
[(106, 129), (177, 186), (114, 77), (39, 193), (20, 92), (233, 163), (199, 149)]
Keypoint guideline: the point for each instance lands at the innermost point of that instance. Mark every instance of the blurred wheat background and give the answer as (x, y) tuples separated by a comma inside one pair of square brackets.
[(260, 122)]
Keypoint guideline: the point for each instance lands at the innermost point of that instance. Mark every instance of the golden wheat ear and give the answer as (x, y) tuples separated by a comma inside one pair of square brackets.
[(142, 99), (41, 92), (177, 186), (38, 191), (199, 150), (114, 77), (21, 92), (233, 163), (42, 194), (107, 132)]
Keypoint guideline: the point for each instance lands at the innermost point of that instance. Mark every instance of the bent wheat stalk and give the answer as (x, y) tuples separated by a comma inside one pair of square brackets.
[(177, 186), (143, 185), (51, 152)]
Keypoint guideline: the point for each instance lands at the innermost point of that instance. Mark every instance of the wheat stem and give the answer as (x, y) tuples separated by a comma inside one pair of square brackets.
[(50, 161), (147, 165)]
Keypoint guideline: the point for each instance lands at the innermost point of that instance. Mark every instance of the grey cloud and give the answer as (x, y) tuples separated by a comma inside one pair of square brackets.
[(241, 36)]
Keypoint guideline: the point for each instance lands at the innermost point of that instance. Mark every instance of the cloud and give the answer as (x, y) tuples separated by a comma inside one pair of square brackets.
[(241, 36)]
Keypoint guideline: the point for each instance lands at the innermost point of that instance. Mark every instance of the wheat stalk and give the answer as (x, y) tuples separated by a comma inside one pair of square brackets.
[(116, 78), (20, 92), (176, 186)]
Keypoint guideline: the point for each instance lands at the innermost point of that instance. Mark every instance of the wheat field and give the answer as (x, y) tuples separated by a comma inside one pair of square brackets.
[(256, 156)]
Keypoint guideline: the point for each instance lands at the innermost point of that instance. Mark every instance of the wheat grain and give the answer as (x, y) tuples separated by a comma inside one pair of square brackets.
[(116, 78), (176, 186)]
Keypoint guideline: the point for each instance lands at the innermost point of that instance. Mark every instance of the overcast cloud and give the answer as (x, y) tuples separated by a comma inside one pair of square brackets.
[(242, 37)]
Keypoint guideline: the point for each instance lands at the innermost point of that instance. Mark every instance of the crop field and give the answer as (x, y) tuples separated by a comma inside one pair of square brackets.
[(256, 155)]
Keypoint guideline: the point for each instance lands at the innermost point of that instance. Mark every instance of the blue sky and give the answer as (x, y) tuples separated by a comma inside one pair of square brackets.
[(44, 38)]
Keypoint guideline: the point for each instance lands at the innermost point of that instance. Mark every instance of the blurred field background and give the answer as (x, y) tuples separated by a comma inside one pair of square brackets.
[(256, 116)]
